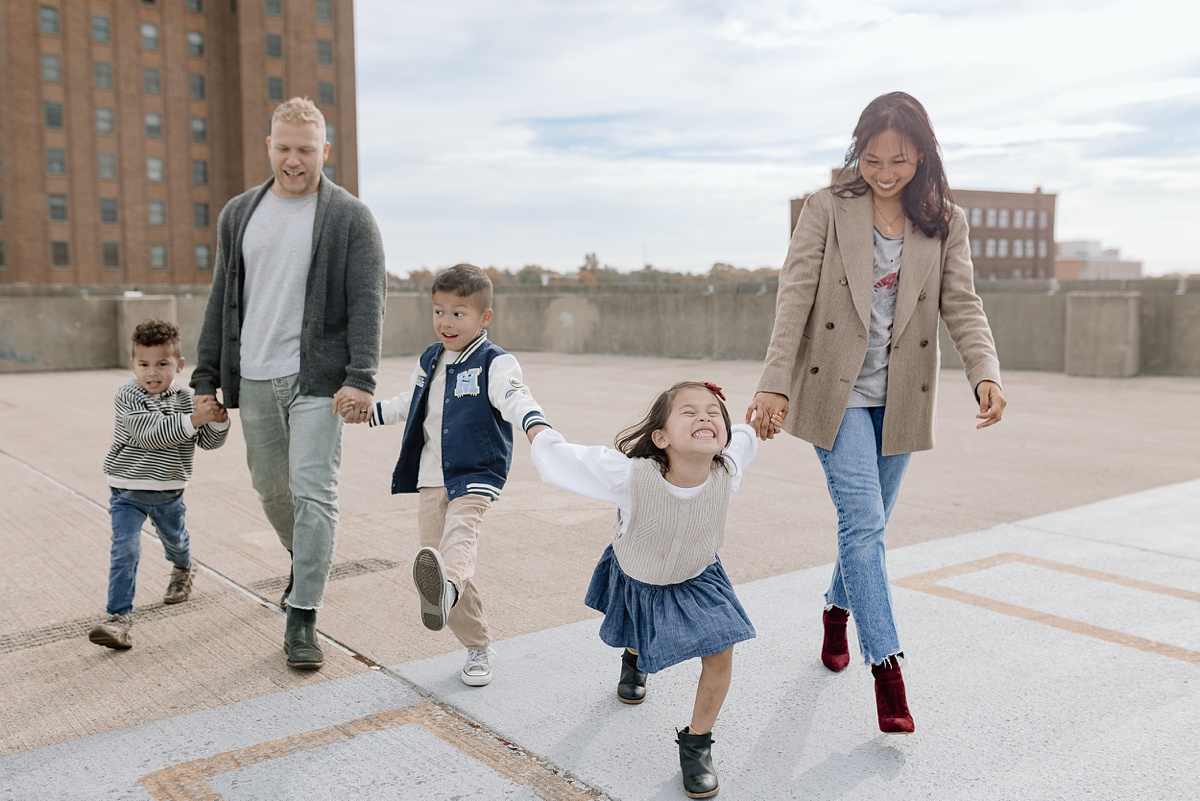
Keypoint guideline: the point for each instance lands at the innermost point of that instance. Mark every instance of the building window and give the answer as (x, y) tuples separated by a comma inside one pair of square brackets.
[(58, 207), (151, 81), (108, 209), (101, 29), (60, 254), (991, 218), (154, 169), (975, 249), (325, 93), (195, 43), (324, 51), (156, 213), (56, 161), (324, 10), (102, 74), (158, 257), (154, 129), (330, 172), (1043, 220), (199, 130), (1019, 249), (976, 217), (51, 68), (273, 8), (149, 36), (989, 249), (195, 6), (1002, 249), (200, 173), (1029, 248), (48, 20), (200, 215), (53, 114), (1042, 248), (196, 87), (274, 88), (3, 256), (106, 164), (329, 132), (1003, 218), (110, 255), (274, 45), (104, 120), (1018, 218), (203, 257)]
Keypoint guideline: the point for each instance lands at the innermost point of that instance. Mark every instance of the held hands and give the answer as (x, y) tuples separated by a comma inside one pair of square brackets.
[(353, 405), (766, 414), (205, 410), (991, 403)]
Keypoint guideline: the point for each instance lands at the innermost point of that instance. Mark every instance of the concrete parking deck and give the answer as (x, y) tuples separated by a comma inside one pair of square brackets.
[(1046, 574)]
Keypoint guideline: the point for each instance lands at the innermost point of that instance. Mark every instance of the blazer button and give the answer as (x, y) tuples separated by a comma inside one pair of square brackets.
[(921, 296), (815, 370), (842, 281), (233, 305), (829, 325), (924, 342), (924, 387)]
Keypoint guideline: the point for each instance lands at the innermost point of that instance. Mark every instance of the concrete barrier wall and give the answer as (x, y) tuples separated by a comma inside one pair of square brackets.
[(1160, 332)]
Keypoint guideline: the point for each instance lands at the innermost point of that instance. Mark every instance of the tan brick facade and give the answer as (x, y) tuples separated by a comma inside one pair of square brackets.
[(185, 85)]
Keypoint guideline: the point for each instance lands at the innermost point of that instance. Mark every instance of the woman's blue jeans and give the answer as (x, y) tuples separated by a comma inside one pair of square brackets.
[(863, 484), (129, 510)]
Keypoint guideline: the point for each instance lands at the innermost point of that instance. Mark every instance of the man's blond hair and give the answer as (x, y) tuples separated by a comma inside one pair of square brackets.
[(299, 111)]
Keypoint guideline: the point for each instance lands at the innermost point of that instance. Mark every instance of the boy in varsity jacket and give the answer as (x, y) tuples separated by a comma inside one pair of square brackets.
[(459, 411), (150, 462)]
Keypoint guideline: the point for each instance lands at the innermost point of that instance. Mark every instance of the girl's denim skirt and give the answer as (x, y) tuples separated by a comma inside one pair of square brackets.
[(667, 623)]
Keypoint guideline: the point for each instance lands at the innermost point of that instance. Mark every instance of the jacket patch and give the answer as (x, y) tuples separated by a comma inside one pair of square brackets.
[(421, 378), (467, 382)]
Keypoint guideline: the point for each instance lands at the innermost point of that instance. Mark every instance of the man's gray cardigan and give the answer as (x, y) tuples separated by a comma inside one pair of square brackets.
[(344, 298)]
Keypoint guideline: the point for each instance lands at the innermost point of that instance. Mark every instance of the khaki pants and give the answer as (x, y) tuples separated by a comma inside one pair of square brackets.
[(452, 526)]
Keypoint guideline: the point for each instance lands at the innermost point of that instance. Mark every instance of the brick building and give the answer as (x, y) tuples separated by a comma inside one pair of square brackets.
[(125, 126), (1012, 233)]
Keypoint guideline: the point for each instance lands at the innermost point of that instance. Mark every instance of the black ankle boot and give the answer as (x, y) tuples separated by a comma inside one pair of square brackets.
[(631, 688), (695, 761), (300, 637)]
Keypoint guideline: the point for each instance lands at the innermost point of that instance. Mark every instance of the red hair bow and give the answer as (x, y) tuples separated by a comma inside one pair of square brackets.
[(714, 389)]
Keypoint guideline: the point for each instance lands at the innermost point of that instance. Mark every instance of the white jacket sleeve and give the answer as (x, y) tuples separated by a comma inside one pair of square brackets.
[(595, 472), (510, 396), (741, 450), (394, 411)]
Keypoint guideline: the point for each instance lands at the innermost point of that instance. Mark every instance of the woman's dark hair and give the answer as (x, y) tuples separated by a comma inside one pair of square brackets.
[(927, 199), (637, 440)]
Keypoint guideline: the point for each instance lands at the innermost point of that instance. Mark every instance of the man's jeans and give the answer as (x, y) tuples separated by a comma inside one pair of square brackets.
[(129, 510), (863, 484), (294, 451)]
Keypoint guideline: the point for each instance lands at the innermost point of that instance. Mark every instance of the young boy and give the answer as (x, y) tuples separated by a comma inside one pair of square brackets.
[(462, 402), (149, 464)]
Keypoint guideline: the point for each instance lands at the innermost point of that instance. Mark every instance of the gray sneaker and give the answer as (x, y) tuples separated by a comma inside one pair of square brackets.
[(478, 670), (116, 632), (436, 592), (180, 586)]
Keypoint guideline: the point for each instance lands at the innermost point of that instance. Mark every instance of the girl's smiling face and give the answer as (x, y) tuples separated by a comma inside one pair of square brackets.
[(695, 425)]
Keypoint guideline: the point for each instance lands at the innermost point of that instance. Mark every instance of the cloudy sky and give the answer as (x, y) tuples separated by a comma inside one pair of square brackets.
[(675, 132)]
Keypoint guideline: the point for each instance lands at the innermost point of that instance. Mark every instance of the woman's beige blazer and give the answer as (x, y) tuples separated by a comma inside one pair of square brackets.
[(823, 312)]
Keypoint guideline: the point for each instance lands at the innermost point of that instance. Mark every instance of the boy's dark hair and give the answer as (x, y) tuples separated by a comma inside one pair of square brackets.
[(637, 442), (467, 281), (150, 333), (927, 199)]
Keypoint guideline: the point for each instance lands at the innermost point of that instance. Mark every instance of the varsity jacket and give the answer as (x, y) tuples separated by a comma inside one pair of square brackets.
[(154, 442), (484, 399)]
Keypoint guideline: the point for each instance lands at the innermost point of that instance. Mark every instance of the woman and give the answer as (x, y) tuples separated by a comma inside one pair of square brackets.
[(853, 361)]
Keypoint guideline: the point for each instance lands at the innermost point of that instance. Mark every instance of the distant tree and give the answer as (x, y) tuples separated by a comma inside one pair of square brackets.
[(499, 278), (531, 275), (422, 278)]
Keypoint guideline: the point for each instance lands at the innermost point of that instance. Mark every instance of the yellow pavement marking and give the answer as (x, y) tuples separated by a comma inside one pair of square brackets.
[(929, 583), (189, 781)]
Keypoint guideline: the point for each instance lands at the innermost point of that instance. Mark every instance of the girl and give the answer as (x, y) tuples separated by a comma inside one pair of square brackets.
[(662, 589), (874, 261)]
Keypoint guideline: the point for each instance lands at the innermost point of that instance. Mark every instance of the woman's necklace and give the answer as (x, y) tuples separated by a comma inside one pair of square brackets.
[(889, 229)]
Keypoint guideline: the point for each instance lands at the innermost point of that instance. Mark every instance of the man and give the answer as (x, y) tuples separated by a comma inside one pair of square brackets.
[(293, 325)]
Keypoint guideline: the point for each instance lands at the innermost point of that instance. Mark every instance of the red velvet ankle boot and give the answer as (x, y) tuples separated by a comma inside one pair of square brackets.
[(890, 700), (835, 653)]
